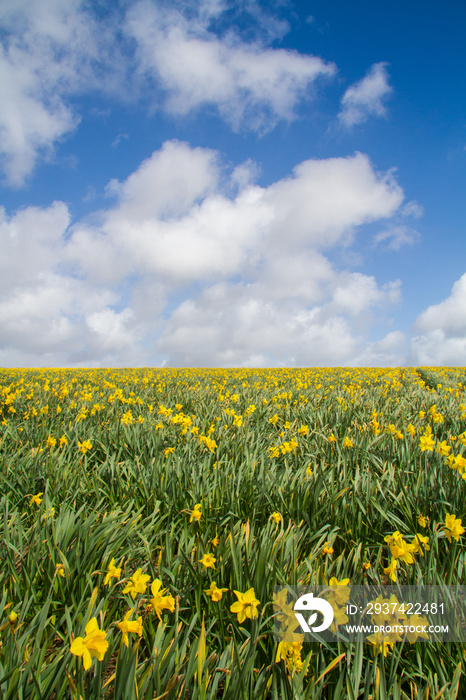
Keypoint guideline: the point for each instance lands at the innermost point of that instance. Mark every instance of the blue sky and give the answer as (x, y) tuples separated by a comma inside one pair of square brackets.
[(231, 184)]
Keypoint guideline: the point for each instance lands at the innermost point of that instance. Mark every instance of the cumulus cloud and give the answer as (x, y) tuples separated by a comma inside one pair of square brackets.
[(356, 292), (248, 83), (366, 97), (231, 325), (47, 315), (48, 51), (54, 51), (442, 331), (31, 241), (449, 315), (325, 199), (234, 325), (441, 328), (390, 351), (187, 266), (174, 219)]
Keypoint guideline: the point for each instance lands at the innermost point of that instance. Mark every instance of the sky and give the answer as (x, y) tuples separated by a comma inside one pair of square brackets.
[(232, 184)]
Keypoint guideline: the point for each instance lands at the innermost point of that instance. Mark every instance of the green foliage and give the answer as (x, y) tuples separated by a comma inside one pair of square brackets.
[(117, 461)]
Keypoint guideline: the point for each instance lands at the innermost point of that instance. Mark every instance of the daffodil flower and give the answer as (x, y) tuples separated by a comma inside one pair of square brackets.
[(422, 521), (127, 626), (196, 513), (390, 570), (208, 561), (136, 584), (215, 593), (93, 645), (36, 499), (159, 600), (245, 606), (113, 572), (453, 527)]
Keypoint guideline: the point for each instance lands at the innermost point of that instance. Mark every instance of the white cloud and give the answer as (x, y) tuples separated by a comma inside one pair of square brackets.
[(47, 52), (390, 351), (228, 325), (114, 330), (31, 241), (325, 199), (413, 209), (356, 292), (437, 349), (248, 83), (31, 121), (167, 184), (397, 236), (366, 97), (53, 51), (234, 325), (47, 315), (442, 331), (173, 220), (190, 267), (449, 315)]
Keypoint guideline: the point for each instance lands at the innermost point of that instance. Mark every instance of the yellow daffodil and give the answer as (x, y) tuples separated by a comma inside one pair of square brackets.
[(442, 448), (84, 446), (453, 528), (208, 561), (113, 572), (245, 606), (399, 548), (420, 544), (127, 626), (276, 517), (215, 593), (390, 570), (93, 645), (426, 443), (160, 601), (459, 463), (60, 570), (36, 499), (413, 625), (340, 591), (381, 643), (136, 584), (196, 513)]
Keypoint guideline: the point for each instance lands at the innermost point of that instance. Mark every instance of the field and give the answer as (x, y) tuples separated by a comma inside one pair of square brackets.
[(148, 514)]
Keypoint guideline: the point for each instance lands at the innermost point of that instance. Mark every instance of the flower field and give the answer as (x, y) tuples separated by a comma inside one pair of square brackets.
[(149, 514)]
